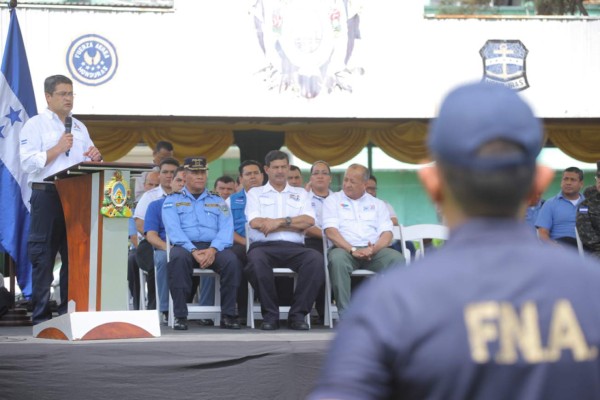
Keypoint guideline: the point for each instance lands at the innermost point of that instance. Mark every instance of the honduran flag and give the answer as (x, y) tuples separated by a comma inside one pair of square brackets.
[(17, 105)]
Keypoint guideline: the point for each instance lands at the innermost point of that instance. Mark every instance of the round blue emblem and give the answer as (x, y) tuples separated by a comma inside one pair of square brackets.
[(92, 60)]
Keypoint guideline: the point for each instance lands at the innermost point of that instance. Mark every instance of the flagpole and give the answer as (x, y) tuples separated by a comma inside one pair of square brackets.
[(9, 262), (12, 270), (16, 71)]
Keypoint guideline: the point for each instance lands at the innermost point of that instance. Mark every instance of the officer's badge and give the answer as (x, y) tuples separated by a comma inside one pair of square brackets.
[(504, 63), (117, 201), (224, 209)]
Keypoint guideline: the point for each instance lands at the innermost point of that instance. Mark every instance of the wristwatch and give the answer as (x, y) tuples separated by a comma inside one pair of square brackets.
[(288, 221), (352, 250)]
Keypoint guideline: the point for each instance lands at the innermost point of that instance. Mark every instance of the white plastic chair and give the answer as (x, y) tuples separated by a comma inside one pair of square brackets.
[(331, 311), (418, 233), (196, 311), (254, 311)]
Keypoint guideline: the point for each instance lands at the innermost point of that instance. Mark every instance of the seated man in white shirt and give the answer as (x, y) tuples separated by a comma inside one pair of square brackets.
[(360, 228), (162, 150), (278, 215)]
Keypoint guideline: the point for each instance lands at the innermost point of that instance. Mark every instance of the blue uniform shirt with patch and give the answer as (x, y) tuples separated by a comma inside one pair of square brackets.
[(205, 219), (237, 201), (558, 216)]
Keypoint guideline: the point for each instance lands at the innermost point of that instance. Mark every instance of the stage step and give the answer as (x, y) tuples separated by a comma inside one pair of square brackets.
[(16, 317)]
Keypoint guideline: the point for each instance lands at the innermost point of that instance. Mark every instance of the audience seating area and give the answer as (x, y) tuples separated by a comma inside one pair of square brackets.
[(419, 234)]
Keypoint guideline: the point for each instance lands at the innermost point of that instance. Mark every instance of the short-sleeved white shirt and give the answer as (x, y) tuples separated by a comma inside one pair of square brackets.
[(358, 221), (147, 198), (266, 202)]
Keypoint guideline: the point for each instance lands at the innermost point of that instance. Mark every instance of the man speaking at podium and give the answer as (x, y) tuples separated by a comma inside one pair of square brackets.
[(51, 142)]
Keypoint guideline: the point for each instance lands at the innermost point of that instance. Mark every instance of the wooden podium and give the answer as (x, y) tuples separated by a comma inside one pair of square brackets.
[(94, 197)]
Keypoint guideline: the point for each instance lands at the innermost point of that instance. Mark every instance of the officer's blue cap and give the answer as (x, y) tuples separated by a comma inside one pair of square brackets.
[(478, 113), (195, 164)]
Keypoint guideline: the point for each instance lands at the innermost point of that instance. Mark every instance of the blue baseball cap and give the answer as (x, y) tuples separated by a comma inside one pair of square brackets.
[(478, 113)]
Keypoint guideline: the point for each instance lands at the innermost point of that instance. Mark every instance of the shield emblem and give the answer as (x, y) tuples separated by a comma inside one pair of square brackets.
[(504, 63)]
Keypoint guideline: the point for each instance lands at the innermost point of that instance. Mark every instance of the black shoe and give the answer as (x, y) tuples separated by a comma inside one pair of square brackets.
[(298, 325), (229, 323), (206, 322), (269, 326), (180, 324)]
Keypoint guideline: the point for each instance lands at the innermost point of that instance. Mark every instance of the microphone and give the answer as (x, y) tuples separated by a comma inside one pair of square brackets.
[(68, 125)]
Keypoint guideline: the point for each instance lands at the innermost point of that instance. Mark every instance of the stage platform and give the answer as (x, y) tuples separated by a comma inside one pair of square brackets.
[(201, 363)]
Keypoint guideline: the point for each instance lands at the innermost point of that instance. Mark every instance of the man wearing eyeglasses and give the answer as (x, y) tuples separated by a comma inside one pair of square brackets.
[(48, 147)]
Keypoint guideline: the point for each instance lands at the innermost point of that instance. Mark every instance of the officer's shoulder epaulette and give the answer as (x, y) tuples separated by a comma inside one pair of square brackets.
[(172, 193), (213, 193)]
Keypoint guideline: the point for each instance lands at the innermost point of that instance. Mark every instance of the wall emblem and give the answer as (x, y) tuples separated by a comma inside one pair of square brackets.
[(92, 60), (504, 63), (308, 45), (117, 201)]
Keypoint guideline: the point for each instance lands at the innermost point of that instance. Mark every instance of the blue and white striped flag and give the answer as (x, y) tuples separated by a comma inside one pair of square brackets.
[(17, 105)]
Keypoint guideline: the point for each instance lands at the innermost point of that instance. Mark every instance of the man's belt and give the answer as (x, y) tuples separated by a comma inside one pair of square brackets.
[(46, 187)]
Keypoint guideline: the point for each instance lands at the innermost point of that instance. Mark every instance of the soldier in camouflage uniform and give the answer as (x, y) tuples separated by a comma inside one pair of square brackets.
[(588, 217)]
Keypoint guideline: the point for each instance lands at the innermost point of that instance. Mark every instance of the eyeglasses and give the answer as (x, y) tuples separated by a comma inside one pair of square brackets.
[(65, 94), (315, 173)]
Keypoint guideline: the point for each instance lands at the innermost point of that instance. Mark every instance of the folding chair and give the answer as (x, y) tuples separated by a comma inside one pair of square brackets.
[(418, 233), (331, 311), (196, 311), (254, 311)]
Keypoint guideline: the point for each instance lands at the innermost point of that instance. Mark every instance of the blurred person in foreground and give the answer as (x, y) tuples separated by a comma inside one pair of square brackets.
[(495, 313)]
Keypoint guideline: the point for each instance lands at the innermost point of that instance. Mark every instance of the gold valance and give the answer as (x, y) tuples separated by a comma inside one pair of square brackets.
[(335, 142)]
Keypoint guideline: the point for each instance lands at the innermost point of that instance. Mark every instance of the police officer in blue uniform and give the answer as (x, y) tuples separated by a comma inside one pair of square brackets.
[(200, 226), (494, 313), (251, 175)]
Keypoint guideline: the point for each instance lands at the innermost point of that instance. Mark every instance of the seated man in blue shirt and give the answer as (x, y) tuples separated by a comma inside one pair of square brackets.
[(556, 219), (200, 226), (154, 229), (533, 209), (251, 175)]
